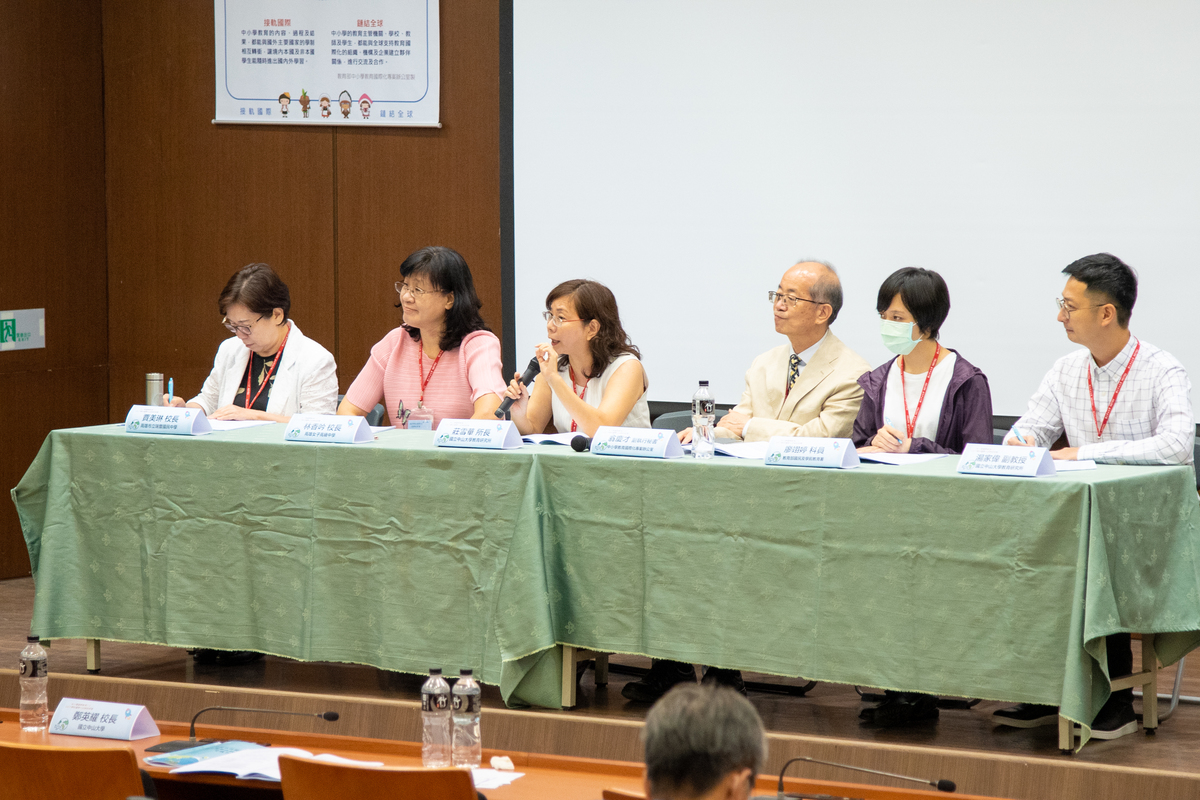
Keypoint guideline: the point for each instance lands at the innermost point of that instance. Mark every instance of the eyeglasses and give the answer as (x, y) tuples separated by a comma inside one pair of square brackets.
[(1066, 309), (557, 322), (239, 330), (416, 292), (775, 297)]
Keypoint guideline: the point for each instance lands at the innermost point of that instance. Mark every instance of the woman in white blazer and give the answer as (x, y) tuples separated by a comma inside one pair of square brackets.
[(269, 369)]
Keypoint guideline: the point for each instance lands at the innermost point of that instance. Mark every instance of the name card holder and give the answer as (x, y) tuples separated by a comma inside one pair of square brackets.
[(75, 717), (805, 451), (329, 428), (636, 442), (477, 433), (997, 459), (167, 419)]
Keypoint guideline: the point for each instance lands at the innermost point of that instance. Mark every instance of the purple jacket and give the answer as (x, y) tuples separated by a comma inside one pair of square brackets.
[(966, 410)]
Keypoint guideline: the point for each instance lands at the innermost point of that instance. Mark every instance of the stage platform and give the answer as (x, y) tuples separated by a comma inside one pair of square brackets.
[(963, 745)]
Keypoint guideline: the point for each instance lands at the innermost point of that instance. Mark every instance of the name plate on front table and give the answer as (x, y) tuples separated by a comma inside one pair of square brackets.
[(328, 428), (102, 720), (996, 459), (480, 433), (639, 442), (166, 419), (803, 451)]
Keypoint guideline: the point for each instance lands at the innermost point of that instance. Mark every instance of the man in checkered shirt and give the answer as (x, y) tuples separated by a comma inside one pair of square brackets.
[(1119, 401)]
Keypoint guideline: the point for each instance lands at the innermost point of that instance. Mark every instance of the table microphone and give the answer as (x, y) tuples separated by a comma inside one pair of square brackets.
[(527, 377), (581, 444), (183, 744), (942, 785)]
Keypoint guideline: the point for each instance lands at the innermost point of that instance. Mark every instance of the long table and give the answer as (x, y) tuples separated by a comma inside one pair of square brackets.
[(557, 777), (405, 556)]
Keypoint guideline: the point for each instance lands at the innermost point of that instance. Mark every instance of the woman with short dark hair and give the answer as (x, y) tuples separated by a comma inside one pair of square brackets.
[(591, 374), (442, 358), (929, 399), (268, 370)]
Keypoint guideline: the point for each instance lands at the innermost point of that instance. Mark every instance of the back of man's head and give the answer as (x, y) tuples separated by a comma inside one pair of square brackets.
[(697, 736), (1105, 274)]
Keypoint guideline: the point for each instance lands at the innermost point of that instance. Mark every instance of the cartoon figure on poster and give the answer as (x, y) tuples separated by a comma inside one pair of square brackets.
[(304, 102), (285, 100), (345, 102), (324, 102), (364, 105)]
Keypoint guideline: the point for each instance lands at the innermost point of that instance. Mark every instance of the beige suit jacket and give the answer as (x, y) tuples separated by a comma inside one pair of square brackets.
[(823, 403)]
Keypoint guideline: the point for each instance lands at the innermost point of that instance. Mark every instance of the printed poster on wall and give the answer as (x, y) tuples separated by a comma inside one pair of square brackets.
[(327, 62)]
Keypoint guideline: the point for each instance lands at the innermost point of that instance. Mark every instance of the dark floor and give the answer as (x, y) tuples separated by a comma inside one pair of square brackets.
[(827, 710)]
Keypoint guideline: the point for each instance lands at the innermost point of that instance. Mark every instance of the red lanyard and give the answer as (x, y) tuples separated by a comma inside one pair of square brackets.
[(1111, 403), (911, 425), (274, 364), (425, 379), (575, 425)]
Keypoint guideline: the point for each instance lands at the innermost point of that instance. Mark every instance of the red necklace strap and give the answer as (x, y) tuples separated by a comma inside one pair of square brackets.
[(911, 425), (574, 424), (425, 379), (1100, 426), (266, 380)]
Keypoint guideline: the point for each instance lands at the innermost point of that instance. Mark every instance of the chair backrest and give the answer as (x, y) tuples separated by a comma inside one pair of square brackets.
[(304, 779), (678, 420), (374, 416), (97, 773)]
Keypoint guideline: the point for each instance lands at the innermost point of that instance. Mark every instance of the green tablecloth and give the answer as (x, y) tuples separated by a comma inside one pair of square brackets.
[(389, 553), (399, 555)]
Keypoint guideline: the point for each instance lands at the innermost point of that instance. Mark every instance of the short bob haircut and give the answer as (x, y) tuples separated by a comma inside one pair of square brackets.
[(258, 288), (595, 301), (923, 293), (448, 272), (696, 735), (1104, 273)]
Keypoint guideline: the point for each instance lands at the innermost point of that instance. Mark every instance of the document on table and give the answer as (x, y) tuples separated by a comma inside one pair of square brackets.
[(752, 450), (262, 763), (1073, 466), (237, 424), (485, 778), (899, 459)]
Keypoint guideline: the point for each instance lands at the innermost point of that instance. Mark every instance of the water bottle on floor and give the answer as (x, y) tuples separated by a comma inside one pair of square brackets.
[(704, 418), (35, 713), (435, 716), (468, 748)]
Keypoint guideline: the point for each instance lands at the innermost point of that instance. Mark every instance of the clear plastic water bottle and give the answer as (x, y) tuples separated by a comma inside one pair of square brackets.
[(35, 712), (704, 418), (435, 716), (468, 747)]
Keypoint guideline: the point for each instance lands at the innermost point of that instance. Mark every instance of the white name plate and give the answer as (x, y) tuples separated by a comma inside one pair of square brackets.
[(479, 433), (803, 451), (166, 419), (102, 720), (996, 459), (638, 442), (328, 428)]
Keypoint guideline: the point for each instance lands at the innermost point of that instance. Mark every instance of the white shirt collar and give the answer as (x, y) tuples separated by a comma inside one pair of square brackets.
[(807, 355)]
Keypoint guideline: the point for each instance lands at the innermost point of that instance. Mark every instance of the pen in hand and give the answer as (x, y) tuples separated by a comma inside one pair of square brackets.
[(170, 391), (1017, 434)]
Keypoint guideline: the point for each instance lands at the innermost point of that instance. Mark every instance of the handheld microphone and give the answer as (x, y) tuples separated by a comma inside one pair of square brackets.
[(581, 444), (941, 785), (527, 377)]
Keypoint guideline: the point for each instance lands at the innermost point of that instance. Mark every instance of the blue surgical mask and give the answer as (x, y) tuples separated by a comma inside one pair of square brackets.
[(897, 336)]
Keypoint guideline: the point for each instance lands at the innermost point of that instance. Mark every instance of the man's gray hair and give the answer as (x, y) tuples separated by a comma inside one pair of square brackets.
[(696, 735), (828, 288)]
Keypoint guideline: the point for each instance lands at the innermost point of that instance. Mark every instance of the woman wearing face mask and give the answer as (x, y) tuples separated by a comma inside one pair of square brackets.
[(929, 399)]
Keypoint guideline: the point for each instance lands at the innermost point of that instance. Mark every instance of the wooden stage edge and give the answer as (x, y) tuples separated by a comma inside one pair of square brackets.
[(562, 733)]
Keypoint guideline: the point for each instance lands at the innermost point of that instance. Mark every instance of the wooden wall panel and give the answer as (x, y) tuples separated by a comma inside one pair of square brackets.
[(190, 202), (402, 189), (52, 226)]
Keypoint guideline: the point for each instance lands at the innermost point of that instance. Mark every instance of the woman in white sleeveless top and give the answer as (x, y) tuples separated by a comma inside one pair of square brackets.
[(590, 372)]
